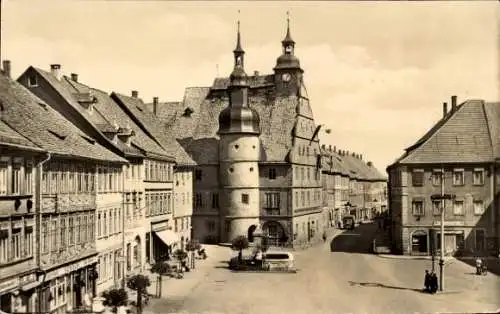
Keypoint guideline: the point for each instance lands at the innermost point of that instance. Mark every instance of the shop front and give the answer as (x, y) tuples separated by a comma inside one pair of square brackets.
[(69, 287), (17, 294), (161, 240)]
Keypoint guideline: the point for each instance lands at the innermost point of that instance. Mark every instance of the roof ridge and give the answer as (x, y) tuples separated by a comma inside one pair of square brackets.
[(488, 127)]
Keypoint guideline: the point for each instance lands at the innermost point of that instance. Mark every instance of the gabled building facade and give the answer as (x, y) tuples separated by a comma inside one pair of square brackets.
[(182, 172), (126, 206), (67, 187), (456, 157)]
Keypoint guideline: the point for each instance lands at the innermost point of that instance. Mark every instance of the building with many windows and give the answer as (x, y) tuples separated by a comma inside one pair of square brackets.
[(133, 193), (289, 205), (456, 157), (67, 184), (180, 231)]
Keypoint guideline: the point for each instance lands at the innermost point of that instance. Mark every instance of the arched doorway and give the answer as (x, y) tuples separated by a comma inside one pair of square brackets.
[(274, 232), (419, 242), (251, 230)]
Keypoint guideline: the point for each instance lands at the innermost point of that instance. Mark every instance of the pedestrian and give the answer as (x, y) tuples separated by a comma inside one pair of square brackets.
[(427, 281), (434, 283), (324, 236), (479, 264)]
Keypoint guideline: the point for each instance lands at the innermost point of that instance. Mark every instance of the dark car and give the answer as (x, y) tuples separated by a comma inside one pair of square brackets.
[(348, 222)]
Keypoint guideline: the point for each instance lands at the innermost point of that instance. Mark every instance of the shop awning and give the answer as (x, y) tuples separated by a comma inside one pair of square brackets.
[(168, 236)]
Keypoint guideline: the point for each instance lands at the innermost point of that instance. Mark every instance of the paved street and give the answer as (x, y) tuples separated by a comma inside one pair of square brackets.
[(347, 280)]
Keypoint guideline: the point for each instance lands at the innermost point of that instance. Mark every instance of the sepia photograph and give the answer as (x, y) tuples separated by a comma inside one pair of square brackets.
[(253, 157)]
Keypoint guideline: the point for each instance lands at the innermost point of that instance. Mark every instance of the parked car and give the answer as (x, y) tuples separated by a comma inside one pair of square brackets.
[(349, 222)]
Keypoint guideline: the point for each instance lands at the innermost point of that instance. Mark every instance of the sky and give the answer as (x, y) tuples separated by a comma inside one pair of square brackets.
[(377, 73)]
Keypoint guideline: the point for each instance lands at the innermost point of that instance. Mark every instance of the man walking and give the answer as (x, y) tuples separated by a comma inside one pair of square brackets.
[(427, 281)]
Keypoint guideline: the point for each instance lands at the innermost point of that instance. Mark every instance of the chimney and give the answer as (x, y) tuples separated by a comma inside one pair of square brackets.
[(334, 149), (361, 156), (329, 148), (74, 77), (256, 73), (6, 67), (55, 69), (445, 109), (155, 105), (323, 146), (135, 94), (453, 102)]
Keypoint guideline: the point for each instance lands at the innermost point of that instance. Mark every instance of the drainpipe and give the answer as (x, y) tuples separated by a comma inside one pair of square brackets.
[(38, 224)]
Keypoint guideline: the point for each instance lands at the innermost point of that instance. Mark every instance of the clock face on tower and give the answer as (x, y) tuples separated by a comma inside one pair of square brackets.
[(286, 77)]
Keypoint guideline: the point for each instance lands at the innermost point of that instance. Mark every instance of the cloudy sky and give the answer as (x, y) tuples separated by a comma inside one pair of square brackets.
[(377, 73)]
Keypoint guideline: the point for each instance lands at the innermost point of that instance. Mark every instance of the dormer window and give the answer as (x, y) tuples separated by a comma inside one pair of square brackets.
[(187, 112), (32, 81)]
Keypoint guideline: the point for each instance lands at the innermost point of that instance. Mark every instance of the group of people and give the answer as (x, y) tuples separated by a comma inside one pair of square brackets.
[(430, 282)]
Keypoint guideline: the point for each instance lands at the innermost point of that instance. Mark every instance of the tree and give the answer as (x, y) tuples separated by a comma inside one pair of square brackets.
[(239, 244), (162, 269), (180, 255), (140, 284), (115, 298)]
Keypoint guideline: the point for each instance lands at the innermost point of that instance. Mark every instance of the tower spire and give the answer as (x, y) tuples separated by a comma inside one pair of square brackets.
[(238, 76), (288, 38)]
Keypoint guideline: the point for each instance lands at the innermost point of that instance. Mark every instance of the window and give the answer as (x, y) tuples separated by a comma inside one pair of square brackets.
[(436, 207), (296, 199), (198, 200), (99, 225), (28, 241), (104, 224), (458, 177), (28, 178), (83, 229), (302, 174), (215, 200), (91, 227), (272, 201), (458, 208), (16, 178), (71, 235), (4, 178), (418, 208), (478, 177), (197, 174), (303, 197), (272, 174), (418, 177), (45, 237), (16, 249), (78, 227), (62, 231), (245, 198), (4, 246), (53, 235), (436, 177), (32, 81), (308, 174), (478, 207)]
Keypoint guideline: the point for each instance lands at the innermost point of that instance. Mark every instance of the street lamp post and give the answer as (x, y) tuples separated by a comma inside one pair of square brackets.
[(442, 197)]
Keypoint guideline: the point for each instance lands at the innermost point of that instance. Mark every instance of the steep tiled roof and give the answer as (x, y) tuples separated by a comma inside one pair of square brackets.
[(154, 127), (492, 111), (162, 109), (333, 162), (198, 130), (106, 108), (462, 137), (9, 137), (45, 127)]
